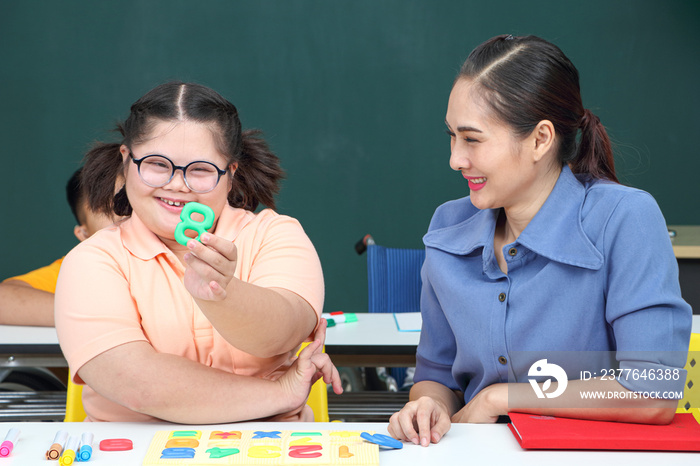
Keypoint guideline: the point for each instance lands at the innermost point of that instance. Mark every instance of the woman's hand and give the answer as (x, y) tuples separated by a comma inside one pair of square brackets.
[(422, 421), (311, 365), (486, 406), (210, 267)]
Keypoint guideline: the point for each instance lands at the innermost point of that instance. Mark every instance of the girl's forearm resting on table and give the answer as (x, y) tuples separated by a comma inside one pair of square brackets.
[(176, 389), (261, 321)]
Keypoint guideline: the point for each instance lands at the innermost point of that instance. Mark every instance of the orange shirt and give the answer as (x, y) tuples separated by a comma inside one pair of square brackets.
[(123, 284), (43, 278)]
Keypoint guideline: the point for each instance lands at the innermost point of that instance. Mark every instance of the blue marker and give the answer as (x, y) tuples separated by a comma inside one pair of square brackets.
[(85, 451)]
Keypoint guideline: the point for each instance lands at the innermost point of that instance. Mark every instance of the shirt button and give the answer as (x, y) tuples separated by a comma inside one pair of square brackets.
[(502, 297), (512, 251), (503, 360)]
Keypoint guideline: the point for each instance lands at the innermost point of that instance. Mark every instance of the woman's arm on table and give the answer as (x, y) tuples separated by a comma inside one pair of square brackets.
[(426, 418), (620, 404)]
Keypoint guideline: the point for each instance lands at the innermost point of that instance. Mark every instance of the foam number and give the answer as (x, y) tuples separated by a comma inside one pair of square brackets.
[(344, 452), (185, 433), (187, 223), (382, 440), (170, 453), (305, 451), (264, 434), (264, 451), (222, 452), (219, 435), (116, 444), (345, 433), (302, 441), (182, 443)]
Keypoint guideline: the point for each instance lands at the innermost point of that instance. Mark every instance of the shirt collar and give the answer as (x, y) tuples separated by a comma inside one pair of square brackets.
[(555, 232), (144, 244)]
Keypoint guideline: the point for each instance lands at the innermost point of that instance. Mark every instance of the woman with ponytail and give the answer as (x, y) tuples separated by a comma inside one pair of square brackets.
[(200, 332), (551, 279)]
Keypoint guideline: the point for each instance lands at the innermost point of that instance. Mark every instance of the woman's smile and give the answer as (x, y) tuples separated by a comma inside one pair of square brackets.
[(476, 183)]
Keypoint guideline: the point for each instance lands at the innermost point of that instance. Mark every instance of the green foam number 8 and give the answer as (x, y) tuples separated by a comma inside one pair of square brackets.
[(188, 224)]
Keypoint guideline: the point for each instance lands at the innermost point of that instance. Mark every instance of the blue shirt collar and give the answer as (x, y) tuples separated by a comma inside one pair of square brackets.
[(555, 232)]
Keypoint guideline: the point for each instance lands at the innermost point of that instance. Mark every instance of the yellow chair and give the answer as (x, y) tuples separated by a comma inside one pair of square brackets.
[(318, 396), (318, 400), (74, 402), (691, 396)]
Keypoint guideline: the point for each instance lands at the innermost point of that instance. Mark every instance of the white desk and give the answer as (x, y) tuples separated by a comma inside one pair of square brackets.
[(465, 444), (686, 242), (29, 347), (372, 341)]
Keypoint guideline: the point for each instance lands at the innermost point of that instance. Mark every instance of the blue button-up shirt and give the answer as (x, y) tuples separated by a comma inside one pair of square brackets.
[(594, 271)]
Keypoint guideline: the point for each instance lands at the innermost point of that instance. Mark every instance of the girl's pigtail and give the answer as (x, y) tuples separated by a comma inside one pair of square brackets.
[(103, 165), (258, 176)]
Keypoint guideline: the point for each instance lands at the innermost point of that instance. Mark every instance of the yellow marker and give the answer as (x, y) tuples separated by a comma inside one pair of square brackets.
[(344, 452), (68, 455)]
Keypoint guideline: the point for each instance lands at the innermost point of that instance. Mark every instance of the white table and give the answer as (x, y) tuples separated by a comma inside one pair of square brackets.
[(473, 444), (22, 346), (373, 340)]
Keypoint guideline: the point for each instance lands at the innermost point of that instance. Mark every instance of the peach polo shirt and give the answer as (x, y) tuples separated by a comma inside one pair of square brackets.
[(123, 285)]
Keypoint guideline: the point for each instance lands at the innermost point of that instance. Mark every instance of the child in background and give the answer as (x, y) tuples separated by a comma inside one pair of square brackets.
[(29, 299), (202, 333)]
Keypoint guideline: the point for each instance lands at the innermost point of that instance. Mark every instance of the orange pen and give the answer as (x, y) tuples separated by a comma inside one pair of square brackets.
[(55, 450)]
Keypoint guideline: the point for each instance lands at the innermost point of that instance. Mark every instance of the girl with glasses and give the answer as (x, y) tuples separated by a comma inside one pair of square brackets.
[(203, 332), (548, 270)]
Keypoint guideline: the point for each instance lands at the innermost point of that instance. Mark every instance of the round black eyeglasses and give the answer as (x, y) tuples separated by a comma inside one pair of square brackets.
[(157, 171)]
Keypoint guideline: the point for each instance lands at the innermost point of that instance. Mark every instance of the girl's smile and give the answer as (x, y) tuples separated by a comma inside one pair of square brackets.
[(182, 142)]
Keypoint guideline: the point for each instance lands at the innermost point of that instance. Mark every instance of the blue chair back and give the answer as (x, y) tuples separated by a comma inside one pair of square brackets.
[(394, 284), (393, 279)]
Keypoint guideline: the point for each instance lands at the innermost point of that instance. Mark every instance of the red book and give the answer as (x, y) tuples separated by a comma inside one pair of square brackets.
[(557, 433)]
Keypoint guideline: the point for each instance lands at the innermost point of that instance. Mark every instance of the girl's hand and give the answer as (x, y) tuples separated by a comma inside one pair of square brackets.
[(486, 406), (210, 267), (311, 365), (422, 421)]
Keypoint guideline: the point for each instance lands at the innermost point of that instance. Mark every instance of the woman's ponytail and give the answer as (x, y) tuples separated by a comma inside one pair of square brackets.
[(594, 156), (526, 80), (257, 178)]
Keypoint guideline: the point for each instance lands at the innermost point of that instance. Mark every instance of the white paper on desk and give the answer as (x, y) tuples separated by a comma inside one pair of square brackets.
[(408, 321)]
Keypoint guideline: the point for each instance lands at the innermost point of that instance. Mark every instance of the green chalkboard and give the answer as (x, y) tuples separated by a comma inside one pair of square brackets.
[(350, 94)]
